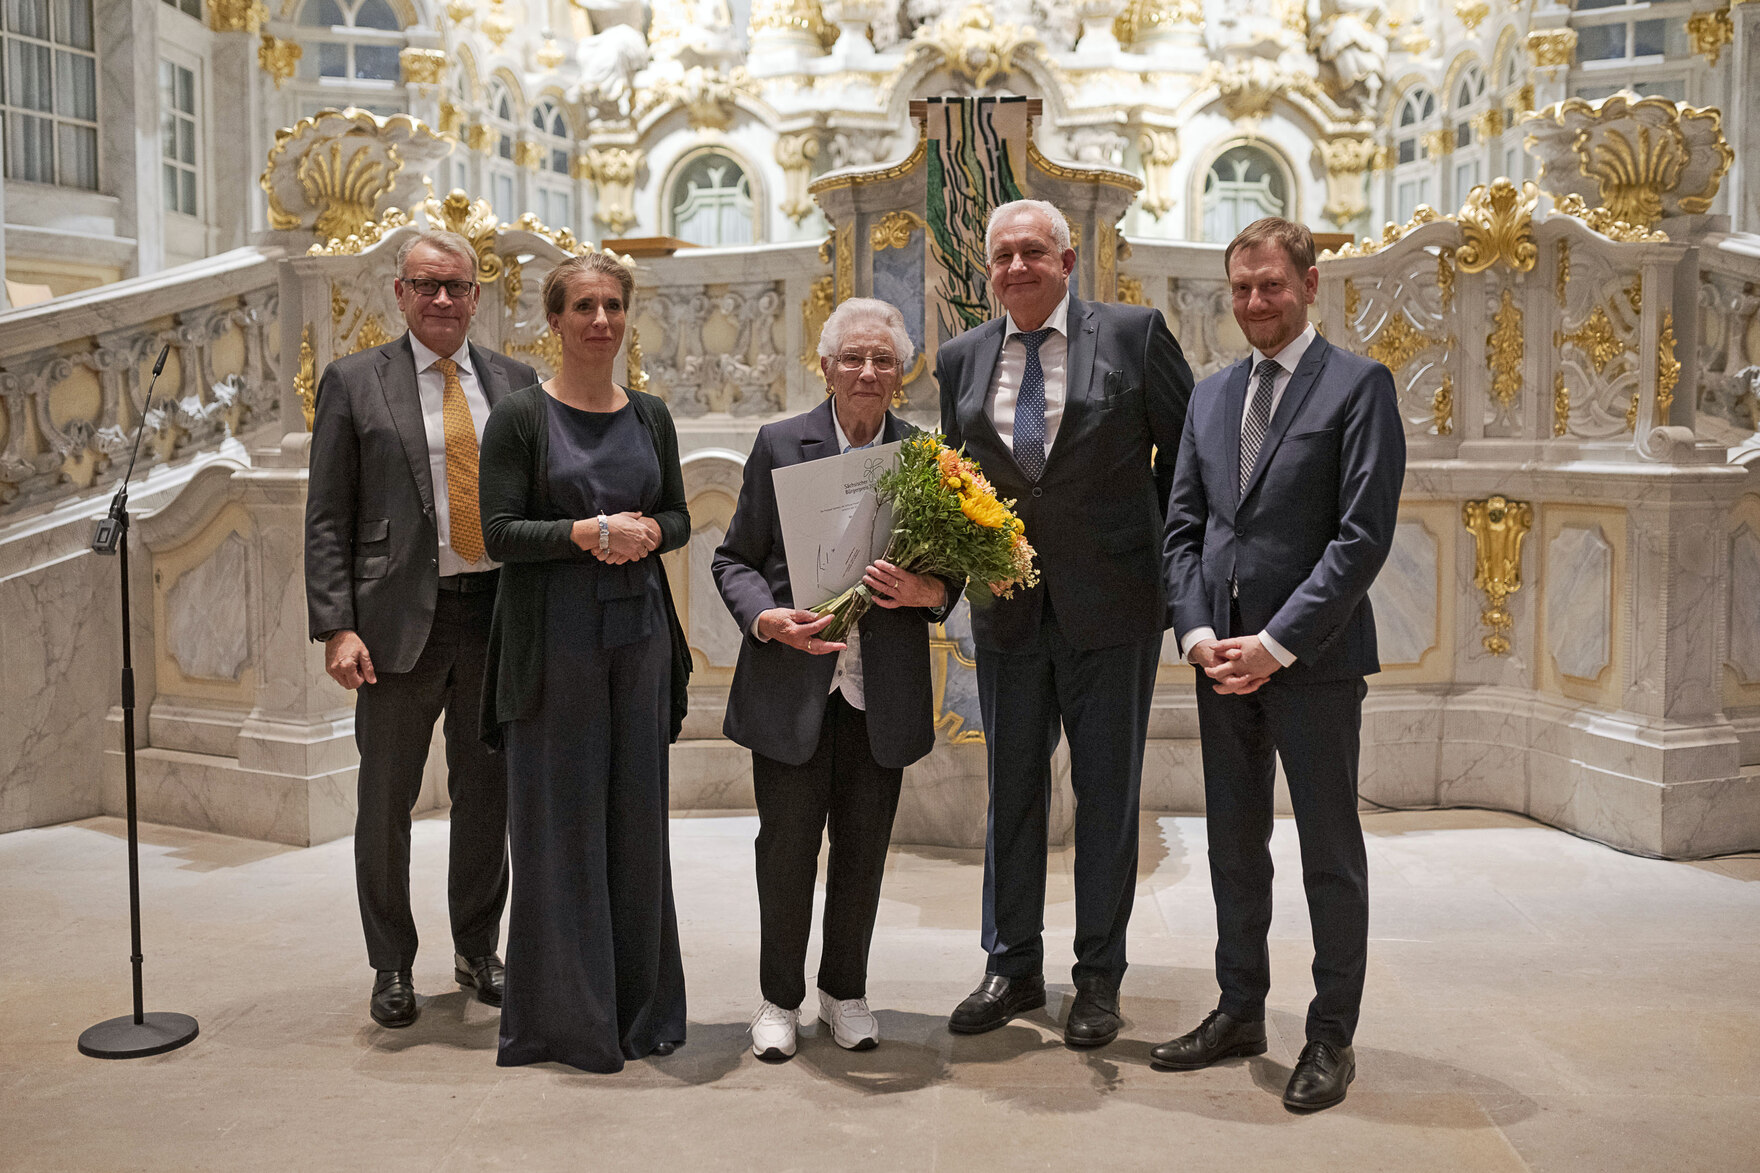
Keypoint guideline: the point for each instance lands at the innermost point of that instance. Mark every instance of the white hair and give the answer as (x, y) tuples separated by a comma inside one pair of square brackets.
[(450, 243), (867, 311), (1059, 226)]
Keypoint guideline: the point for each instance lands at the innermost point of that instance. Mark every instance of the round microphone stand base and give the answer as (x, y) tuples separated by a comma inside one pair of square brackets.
[(124, 1038)]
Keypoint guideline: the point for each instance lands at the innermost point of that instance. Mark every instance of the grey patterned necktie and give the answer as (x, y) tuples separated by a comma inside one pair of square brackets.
[(1029, 408), (1258, 419)]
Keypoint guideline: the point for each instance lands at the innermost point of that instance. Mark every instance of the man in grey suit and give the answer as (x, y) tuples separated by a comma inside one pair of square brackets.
[(399, 589), (1074, 409), (1283, 510)]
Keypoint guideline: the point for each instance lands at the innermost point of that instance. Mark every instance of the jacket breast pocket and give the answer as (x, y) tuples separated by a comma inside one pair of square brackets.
[(1315, 434), (375, 529), (374, 566)]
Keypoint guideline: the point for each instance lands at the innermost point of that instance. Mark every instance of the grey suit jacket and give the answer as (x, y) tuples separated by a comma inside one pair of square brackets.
[(1095, 514), (777, 704), (1307, 537), (372, 546)]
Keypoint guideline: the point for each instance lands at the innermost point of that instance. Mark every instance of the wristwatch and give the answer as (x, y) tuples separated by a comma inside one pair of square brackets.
[(604, 535)]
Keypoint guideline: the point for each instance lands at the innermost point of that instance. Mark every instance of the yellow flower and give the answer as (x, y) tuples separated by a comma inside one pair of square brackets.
[(983, 511)]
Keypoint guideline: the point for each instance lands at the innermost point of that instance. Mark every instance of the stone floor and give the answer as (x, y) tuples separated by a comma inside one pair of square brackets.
[(1534, 1002)]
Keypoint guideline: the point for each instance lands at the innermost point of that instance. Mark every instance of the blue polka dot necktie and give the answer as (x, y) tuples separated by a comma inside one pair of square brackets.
[(1258, 419), (1029, 408)]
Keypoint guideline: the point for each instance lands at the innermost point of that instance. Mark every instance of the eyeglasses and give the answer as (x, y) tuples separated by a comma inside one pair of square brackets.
[(884, 364), (428, 287)]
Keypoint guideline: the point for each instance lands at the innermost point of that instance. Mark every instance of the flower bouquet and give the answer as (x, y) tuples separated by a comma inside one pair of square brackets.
[(946, 521)]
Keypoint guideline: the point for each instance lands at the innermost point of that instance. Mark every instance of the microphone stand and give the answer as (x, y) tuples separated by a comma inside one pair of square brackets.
[(140, 1034)]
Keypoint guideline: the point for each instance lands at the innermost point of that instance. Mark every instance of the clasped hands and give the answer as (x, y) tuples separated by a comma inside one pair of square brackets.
[(633, 537), (1238, 665), (892, 588)]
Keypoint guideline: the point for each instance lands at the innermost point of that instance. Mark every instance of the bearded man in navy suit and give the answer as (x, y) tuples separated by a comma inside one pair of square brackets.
[(1073, 409), (1283, 510)]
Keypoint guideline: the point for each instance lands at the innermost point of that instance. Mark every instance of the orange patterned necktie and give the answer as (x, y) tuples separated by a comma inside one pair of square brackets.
[(466, 522)]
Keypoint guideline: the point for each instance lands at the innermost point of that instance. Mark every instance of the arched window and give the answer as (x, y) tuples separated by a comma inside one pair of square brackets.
[(1469, 152), (1244, 184), (710, 201), (1413, 174), (499, 169), (554, 188), (352, 49)]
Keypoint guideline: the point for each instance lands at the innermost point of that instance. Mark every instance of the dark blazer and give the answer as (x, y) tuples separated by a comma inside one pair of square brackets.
[(1315, 524), (1095, 515), (372, 546), (525, 532), (777, 704)]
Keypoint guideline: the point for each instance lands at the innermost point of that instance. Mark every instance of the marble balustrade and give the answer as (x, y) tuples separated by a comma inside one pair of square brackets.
[(1627, 706)]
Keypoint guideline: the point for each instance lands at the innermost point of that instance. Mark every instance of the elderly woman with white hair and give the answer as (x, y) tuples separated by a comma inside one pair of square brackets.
[(831, 725)]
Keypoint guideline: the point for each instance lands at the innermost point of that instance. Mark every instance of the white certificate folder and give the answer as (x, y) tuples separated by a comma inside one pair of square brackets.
[(833, 521)]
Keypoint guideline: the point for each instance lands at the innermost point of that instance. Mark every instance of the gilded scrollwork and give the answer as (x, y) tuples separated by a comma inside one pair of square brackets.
[(1668, 368), (1503, 348), (305, 380), (893, 230), (1642, 159), (815, 308), (1561, 405), (1442, 406), (1498, 526), (1497, 225)]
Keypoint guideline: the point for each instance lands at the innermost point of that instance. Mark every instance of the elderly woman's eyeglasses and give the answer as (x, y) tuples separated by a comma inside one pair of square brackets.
[(884, 364), (428, 287)]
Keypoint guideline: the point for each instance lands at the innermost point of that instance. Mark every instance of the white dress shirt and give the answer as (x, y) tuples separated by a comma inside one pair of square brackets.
[(1287, 360), (847, 677), (431, 385), (1005, 388)]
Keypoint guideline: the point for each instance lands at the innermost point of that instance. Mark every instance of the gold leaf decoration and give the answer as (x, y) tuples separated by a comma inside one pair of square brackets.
[(1504, 349), (305, 381), (1442, 406), (1130, 291), (1564, 269), (815, 308), (1561, 405), (1668, 369), (476, 222), (1445, 277), (634, 376), (1498, 526), (1709, 32), (1497, 224), (1602, 221), (894, 230), (1596, 339), (1399, 342)]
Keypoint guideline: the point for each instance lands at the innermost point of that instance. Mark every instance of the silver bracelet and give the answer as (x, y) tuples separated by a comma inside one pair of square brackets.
[(604, 535)]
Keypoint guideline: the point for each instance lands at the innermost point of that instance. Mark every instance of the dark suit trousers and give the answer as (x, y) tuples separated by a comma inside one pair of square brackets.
[(841, 792), (393, 723), (1100, 698), (1314, 728)]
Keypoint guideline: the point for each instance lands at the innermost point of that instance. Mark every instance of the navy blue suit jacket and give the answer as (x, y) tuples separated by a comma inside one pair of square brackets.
[(1307, 537), (1095, 514), (777, 703)]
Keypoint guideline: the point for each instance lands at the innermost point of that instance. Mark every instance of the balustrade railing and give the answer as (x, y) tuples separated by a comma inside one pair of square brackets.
[(74, 373)]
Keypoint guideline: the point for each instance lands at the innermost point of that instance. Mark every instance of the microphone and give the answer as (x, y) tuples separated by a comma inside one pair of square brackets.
[(109, 531)]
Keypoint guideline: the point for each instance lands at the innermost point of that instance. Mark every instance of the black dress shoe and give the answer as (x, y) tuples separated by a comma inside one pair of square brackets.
[(996, 1000), (394, 998), (485, 973), (661, 1050), (1093, 1020), (1321, 1076), (1218, 1037)]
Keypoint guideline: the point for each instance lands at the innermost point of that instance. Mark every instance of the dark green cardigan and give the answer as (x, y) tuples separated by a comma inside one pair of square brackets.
[(523, 530)]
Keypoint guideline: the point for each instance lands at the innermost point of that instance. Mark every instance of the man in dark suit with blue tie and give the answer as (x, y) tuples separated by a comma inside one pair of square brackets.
[(1283, 510), (1074, 409)]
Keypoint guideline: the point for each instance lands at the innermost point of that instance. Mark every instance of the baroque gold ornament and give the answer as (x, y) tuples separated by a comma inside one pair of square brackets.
[(1498, 526), (1551, 48), (278, 58), (1709, 32), (1497, 224), (1503, 348), (1442, 406), (422, 67), (893, 230), (1668, 369), (1642, 159)]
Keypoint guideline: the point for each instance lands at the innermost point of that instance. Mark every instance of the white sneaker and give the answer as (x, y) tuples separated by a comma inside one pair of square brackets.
[(773, 1032), (852, 1023)]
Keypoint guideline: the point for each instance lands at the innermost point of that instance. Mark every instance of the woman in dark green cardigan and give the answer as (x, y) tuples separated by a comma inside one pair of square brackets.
[(581, 492)]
